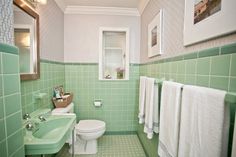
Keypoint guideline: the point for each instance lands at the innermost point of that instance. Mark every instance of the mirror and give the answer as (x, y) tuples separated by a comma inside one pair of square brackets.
[(26, 34)]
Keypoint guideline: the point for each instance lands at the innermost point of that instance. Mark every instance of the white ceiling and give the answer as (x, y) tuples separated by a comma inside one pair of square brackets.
[(132, 4)]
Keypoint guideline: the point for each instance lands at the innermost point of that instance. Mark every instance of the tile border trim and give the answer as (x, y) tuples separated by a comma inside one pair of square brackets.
[(215, 51), (6, 48), (50, 61)]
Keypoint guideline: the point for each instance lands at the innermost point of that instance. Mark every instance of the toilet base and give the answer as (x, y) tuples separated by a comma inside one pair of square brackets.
[(85, 147)]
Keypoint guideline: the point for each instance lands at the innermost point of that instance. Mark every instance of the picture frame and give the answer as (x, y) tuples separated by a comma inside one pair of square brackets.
[(207, 19), (155, 35)]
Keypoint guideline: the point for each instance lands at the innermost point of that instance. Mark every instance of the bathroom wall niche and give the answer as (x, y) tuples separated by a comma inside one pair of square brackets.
[(114, 54)]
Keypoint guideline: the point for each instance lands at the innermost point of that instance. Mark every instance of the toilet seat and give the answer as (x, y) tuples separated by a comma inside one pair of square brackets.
[(90, 126)]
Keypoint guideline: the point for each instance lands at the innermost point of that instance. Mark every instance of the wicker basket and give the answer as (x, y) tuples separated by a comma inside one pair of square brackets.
[(65, 101)]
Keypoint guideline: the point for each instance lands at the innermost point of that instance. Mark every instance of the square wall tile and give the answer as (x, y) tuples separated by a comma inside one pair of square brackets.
[(12, 104), (1, 86), (3, 149), (1, 108), (232, 86), (1, 62), (203, 66), (174, 67), (20, 152), (220, 65), (219, 82), (203, 81), (11, 84), (2, 130), (10, 63), (14, 142), (233, 65), (181, 67), (190, 79), (191, 66), (13, 123)]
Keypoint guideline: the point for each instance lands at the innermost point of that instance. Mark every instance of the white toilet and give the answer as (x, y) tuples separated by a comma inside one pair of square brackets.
[(87, 132)]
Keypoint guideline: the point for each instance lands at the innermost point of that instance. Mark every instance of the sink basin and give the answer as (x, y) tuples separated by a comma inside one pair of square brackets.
[(50, 135), (51, 129)]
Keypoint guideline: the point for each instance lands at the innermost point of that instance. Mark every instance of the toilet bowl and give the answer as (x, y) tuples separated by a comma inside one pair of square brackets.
[(87, 132)]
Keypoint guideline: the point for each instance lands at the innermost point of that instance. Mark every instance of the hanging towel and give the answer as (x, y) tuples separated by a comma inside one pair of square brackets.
[(169, 119), (204, 123), (151, 108), (156, 109), (142, 89)]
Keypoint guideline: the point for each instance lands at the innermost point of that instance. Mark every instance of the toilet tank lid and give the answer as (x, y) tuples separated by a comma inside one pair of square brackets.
[(66, 109), (86, 126)]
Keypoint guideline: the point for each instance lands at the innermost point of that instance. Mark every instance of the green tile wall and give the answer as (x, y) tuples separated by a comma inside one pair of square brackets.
[(11, 134), (51, 74), (119, 98), (214, 68)]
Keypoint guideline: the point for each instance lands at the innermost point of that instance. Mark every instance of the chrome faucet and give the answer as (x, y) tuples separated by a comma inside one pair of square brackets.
[(26, 116), (42, 118), (29, 126)]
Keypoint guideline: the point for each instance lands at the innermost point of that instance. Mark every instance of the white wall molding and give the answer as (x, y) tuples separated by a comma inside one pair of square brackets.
[(142, 5), (101, 10)]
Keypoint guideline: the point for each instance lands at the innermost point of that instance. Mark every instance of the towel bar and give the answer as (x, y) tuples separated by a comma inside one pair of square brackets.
[(229, 98)]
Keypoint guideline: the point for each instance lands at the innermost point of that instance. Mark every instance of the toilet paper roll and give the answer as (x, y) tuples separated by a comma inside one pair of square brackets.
[(97, 103)]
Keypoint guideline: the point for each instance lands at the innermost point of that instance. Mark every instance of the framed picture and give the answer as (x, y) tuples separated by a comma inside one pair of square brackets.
[(155, 35), (207, 19)]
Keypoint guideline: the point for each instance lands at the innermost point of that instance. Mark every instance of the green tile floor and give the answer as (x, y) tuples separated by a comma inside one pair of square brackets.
[(113, 146)]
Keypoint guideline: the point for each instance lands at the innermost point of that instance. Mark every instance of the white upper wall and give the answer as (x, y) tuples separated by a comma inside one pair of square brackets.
[(173, 30), (51, 31), (81, 36)]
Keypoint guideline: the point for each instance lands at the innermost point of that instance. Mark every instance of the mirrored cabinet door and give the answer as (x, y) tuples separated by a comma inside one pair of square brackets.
[(114, 54)]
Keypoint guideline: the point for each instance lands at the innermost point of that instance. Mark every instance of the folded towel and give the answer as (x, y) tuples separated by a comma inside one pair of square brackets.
[(142, 88), (151, 108), (169, 119), (204, 123)]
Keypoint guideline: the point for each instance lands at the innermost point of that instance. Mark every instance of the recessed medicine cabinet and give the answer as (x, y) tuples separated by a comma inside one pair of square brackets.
[(114, 54)]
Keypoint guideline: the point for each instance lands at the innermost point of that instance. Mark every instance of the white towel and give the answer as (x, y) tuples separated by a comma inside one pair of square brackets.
[(204, 123), (151, 108), (156, 109), (142, 89), (169, 119)]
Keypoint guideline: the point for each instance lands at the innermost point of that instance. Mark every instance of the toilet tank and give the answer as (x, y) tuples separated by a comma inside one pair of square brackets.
[(67, 109)]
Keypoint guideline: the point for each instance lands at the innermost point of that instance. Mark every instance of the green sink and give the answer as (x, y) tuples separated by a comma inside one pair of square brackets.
[(50, 135), (50, 129)]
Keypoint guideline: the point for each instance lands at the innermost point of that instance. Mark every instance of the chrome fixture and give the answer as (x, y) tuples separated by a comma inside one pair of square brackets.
[(26, 116), (42, 118), (29, 126)]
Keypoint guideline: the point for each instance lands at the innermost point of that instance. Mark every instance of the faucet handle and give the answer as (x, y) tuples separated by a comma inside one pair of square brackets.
[(42, 118), (26, 116), (29, 126)]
